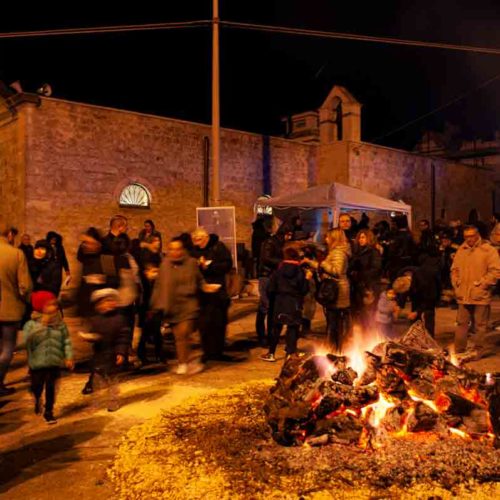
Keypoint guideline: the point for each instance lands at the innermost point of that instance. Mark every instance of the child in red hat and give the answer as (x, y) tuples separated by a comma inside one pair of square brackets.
[(48, 343)]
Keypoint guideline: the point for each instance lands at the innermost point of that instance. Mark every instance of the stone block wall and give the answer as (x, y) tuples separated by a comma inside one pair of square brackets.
[(82, 156), (12, 170), (401, 175)]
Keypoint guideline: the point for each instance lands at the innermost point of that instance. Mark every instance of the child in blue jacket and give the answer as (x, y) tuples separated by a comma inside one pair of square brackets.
[(47, 340)]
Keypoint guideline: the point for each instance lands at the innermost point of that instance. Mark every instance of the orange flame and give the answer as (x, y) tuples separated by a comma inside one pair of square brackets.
[(459, 433), (428, 402)]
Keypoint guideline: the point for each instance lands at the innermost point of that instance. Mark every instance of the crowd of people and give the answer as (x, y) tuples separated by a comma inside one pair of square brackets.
[(363, 276)]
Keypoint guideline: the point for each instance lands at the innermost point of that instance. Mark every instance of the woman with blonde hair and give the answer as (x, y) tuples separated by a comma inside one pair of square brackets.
[(335, 266)]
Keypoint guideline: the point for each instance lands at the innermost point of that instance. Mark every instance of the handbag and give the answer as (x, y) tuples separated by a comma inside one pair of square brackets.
[(327, 292)]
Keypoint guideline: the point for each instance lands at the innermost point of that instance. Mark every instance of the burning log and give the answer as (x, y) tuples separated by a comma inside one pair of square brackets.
[(406, 387)]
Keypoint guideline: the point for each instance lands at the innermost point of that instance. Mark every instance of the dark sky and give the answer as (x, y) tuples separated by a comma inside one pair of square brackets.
[(266, 76)]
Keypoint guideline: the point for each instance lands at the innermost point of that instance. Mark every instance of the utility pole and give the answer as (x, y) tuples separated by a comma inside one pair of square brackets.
[(215, 106)]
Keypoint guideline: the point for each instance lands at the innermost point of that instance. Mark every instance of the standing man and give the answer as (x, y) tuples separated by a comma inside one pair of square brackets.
[(215, 262), (475, 271), (15, 285)]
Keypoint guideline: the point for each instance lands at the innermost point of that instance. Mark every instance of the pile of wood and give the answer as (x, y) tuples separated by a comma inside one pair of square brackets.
[(407, 387)]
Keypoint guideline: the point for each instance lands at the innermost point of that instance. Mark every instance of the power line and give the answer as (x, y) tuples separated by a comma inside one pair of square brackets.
[(440, 108), (106, 29), (359, 38), (251, 27)]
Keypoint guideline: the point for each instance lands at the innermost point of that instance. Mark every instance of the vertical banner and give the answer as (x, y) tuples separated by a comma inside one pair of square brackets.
[(222, 222)]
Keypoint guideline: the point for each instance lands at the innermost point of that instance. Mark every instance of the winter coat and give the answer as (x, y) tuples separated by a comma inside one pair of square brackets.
[(46, 275), (114, 338), (475, 272), (59, 254), (425, 289), (221, 264), (401, 252), (288, 285), (48, 346), (365, 270), (259, 235), (176, 290), (335, 265), (15, 282), (271, 255)]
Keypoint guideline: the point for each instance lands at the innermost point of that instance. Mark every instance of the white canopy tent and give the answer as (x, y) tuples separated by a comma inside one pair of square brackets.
[(336, 197)]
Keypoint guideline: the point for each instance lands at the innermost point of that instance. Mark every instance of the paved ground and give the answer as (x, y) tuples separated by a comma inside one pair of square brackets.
[(70, 459)]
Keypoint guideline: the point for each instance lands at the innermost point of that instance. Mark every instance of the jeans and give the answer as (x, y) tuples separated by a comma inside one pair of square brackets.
[(478, 315), (8, 337), (45, 377)]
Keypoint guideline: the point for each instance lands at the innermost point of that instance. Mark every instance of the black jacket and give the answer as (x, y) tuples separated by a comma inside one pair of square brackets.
[(271, 255), (425, 290), (115, 339), (27, 250), (365, 268), (58, 251), (289, 286), (221, 264)]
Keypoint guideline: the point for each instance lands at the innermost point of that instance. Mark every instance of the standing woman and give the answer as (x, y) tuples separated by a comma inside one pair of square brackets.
[(58, 255), (365, 272), (335, 266), (44, 271)]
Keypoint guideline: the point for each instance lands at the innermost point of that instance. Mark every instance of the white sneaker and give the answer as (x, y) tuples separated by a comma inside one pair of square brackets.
[(182, 369)]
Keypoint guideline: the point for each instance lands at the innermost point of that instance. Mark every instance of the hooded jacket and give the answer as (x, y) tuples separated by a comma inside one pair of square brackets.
[(59, 253), (289, 286), (45, 273), (49, 345)]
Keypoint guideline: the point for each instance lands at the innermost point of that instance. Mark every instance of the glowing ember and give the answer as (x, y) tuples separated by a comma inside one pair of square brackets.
[(375, 413), (459, 433), (453, 355), (428, 402)]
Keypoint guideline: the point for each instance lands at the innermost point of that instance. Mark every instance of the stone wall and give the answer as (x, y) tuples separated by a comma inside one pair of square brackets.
[(400, 175), (81, 157), (12, 170)]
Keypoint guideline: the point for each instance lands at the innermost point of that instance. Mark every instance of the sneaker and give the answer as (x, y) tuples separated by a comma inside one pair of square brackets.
[(6, 391), (268, 357), (38, 407), (50, 419), (182, 369), (87, 389), (195, 367)]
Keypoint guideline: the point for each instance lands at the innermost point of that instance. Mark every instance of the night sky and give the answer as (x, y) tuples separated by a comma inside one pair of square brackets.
[(266, 76)]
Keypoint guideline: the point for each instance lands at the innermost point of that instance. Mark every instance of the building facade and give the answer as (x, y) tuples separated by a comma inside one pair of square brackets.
[(64, 167)]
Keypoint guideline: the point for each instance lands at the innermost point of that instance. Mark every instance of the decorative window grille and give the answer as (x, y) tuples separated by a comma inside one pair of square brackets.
[(135, 196)]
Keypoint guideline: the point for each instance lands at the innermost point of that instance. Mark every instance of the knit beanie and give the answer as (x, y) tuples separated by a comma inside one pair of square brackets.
[(40, 299)]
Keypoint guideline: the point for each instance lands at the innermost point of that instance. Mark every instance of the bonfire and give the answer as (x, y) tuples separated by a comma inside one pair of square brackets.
[(381, 389)]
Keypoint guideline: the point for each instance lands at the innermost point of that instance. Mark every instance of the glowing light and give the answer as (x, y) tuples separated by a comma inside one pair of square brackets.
[(358, 345), (428, 402), (376, 412), (453, 355), (459, 433)]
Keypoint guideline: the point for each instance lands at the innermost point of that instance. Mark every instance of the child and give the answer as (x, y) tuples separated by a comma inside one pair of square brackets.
[(289, 286), (48, 343), (387, 311), (111, 338)]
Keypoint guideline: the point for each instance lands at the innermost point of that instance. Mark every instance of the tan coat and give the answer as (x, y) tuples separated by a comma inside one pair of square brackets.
[(474, 273), (336, 264), (15, 282)]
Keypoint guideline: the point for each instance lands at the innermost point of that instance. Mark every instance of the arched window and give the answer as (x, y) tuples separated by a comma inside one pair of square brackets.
[(135, 196)]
